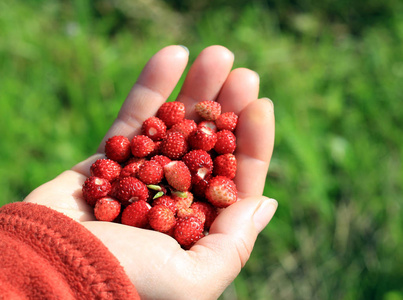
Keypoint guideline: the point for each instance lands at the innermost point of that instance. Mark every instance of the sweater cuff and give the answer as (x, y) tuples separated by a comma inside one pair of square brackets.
[(46, 254)]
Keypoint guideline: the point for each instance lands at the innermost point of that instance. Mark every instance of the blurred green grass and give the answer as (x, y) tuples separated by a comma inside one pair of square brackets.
[(334, 76)]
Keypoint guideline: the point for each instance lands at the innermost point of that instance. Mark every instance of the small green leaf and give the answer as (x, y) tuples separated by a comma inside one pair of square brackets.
[(154, 187), (159, 194), (180, 194)]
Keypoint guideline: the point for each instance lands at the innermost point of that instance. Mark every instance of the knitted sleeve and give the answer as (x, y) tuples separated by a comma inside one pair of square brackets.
[(46, 255)]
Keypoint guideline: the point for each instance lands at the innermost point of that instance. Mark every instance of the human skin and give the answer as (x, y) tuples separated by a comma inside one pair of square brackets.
[(155, 262)]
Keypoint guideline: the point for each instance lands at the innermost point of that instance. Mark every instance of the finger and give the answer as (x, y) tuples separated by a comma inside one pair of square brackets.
[(205, 77), (255, 141), (154, 85), (240, 88), (227, 248)]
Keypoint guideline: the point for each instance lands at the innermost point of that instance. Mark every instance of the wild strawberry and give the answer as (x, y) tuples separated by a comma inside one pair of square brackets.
[(182, 199), (210, 212), (157, 149), (185, 127), (166, 201), (134, 160), (226, 142), (199, 163), (171, 231), (190, 212), (117, 148), (225, 165), (171, 113), (221, 192), (154, 128), (161, 159), (161, 218), (141, 146), (128, 190), (199, 185), (178, 175), (150, 172), (136, 214), (132, 167), (174, 145), (208, 124), (203, 138), (95, 188), (227, 121), (188, 231), (105, 168), (208, 110), (107, 209)]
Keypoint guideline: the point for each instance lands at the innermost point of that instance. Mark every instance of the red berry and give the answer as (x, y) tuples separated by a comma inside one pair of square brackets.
[(208, 124), (190, 212), (199, 163), (128, 190), (166, 201), (221, 192), (188, 231), (150, 172), (199, 185), (105, 168), (107, 209), (95, 188), (161, 218), (209, 211), (174, 145), (208, 110), (141, 146), (135, 160), (178, 175), (226, 142), (154, 128), (136, 214), (227, 121), (203, 138), (185, 127), (225, 165), (182, 199), (117, 148), (132, 167), (161, 159), (171, 113), (157, 148)]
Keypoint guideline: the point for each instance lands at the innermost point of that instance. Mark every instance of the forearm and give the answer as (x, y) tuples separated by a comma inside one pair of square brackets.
[(46, 254)]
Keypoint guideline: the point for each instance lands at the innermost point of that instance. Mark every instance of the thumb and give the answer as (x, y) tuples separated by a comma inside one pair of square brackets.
[(232, 236)]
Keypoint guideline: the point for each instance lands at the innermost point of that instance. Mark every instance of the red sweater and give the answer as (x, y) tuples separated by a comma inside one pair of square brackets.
[(46, 255)]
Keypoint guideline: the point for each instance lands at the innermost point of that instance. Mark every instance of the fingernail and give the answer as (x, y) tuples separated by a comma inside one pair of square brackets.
[(264, 212), (256, 73), (184, 47), (271, 102)]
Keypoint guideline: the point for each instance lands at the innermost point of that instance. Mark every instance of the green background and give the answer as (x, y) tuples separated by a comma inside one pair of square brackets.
[(334, 70)]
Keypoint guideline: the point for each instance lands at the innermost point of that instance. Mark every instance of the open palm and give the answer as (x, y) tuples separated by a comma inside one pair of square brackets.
[(156, 264)]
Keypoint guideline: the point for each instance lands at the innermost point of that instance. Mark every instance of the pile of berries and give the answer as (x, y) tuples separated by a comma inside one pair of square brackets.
[(174, 177)]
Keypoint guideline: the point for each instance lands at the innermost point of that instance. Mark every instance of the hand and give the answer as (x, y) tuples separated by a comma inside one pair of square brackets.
[(156, 264)]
